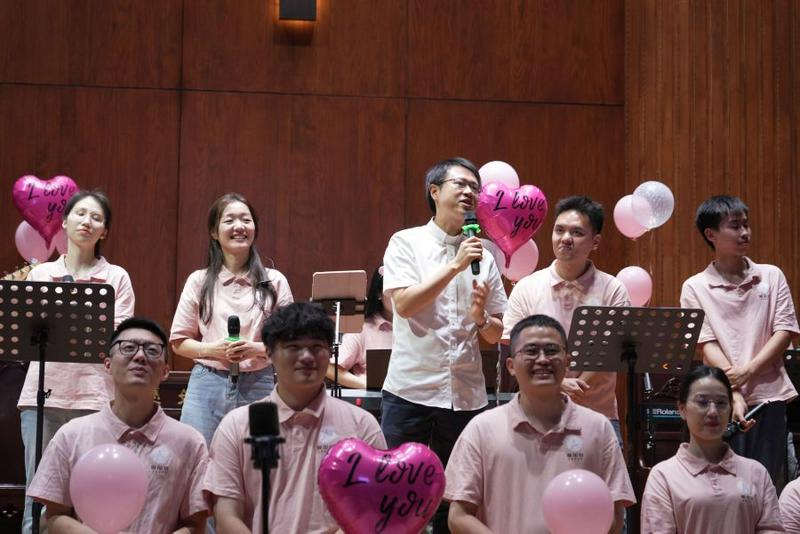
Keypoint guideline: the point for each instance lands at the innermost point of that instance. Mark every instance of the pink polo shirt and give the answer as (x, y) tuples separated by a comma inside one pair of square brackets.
[(502, 463), (547, 293), (78, 386), (790, 507), (688, 494), (742, 318), (295, 502), (233, 295), (376, 334), (174, 454)]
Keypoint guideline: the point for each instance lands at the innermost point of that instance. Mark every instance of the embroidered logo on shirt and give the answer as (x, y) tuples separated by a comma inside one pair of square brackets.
[(746, 490), (327, 437), (574, 446), (160, 459), (763, 290)]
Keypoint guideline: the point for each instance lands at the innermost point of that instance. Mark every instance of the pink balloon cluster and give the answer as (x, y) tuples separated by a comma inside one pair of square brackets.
[(650, 206), (578, 502)]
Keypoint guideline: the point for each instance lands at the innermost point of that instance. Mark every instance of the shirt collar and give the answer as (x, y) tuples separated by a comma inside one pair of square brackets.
[(568, 422), (442, 236), (315, 408), (752, 276), (98, 274), (695, 465), (584, 281), (119, 429), (226, 277)]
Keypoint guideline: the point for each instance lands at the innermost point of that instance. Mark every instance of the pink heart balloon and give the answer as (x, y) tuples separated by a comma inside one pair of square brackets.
[(510, 217), (41, 202), (369, 490)]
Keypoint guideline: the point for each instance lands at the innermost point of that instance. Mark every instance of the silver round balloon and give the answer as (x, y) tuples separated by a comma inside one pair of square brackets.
[(652, 204)]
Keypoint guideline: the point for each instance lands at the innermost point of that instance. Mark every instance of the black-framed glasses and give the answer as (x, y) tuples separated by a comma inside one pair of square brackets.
[(532, 352), (129, 348), (461, 184)]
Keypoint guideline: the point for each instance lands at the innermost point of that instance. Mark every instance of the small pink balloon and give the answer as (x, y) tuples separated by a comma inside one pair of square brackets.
[(523, 262), (370, 490), (638, 283), (108, 486), (30, 244), (578, 502), (60, 241), (42, 202), (499, 172), (624, 219)]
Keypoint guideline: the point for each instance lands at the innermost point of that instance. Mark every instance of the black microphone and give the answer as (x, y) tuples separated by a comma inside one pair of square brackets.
[(735, 427), (234, 327), (264, 440), (471, 229), (67, 278)]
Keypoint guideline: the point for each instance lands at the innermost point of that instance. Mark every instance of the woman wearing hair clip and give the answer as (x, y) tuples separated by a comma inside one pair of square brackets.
[(81, 389), (227, 372), (706, 487), (376, 334)]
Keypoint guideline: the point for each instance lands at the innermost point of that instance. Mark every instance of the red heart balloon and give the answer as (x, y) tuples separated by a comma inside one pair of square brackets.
[(391, 492), (42, 202), (510, 217)]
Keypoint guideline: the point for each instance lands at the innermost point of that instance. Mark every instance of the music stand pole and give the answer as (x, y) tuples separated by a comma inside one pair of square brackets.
[(40, 340)]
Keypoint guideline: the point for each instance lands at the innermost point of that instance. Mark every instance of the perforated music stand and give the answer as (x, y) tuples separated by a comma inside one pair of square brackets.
[(633, 340), (74, 320)]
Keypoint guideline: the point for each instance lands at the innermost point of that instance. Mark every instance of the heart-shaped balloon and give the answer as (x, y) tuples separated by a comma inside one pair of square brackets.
[(369, 490), (510, 217), (42, 202)]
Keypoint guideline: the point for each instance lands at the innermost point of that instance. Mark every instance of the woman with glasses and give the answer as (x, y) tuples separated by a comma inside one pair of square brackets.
[(75, 390), (706, 487), (235, 289)]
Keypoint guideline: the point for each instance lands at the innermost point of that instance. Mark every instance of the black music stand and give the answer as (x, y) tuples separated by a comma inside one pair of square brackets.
[(633, 340), (74, 319)]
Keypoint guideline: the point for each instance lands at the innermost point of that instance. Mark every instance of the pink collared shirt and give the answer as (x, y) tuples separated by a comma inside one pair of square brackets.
[(790, 507), (436, 359), (233, 295), (174, 454), (502, 464), (376, 334), (78, 386), (295, 503), (742, 318), (688, 494), (547, 293)]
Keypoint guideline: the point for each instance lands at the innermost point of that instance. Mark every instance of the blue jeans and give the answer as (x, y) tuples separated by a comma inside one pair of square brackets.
[(54, 418), (211, 394)]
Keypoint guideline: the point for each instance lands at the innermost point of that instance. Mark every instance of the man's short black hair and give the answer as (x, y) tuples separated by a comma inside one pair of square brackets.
[(545, 321), (145, 323), (437, 174), (712, 211), (585, 206), (297, 320)]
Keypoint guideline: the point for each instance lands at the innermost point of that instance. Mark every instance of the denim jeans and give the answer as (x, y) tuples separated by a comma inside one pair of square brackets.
[(54, 418), (211, 394)]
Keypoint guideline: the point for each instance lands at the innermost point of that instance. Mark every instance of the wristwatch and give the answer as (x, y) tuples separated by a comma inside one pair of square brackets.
[(486, 321)]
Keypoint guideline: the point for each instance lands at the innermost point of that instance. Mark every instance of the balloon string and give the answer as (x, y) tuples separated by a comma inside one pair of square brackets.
[(651, 254)]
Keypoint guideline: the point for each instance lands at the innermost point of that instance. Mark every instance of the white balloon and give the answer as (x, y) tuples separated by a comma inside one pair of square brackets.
[(652, 204)]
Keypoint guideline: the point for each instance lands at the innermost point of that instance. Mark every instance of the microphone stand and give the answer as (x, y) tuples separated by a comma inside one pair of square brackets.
[(265, 456)]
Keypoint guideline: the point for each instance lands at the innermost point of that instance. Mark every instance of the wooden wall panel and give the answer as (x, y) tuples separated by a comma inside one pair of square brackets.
[(121, 43), (529, 50), (712, 108), (122, 141), (354, 47), (541, 142)]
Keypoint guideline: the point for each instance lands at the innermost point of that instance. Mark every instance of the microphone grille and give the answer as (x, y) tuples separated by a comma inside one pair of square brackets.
[(264, 419), (233, 325), (470, 218), (67, 278)]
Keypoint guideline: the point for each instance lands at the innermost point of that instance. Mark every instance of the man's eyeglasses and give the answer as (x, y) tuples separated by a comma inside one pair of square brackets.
[(461, 184), (129, 348), (532, 352)]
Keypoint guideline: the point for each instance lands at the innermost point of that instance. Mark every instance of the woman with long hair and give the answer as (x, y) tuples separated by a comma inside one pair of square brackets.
[(227, 372), (75, 389), (706, 487)]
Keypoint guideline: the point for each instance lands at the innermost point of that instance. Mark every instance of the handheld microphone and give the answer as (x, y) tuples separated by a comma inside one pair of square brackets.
[(471, 228), (67, 278), (735, 427), (264, 440), (234, 327)]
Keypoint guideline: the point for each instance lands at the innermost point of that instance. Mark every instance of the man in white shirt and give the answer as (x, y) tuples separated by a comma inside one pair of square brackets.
[(435, 382)]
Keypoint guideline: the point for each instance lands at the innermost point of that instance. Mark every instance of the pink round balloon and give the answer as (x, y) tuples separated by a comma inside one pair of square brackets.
[(499, 172), (510, 217), (578, 502), (523, 262), (42, 202), (625, 220), (61, 241), (638, 283), (108, 486), (370, 490), (30, 244)]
